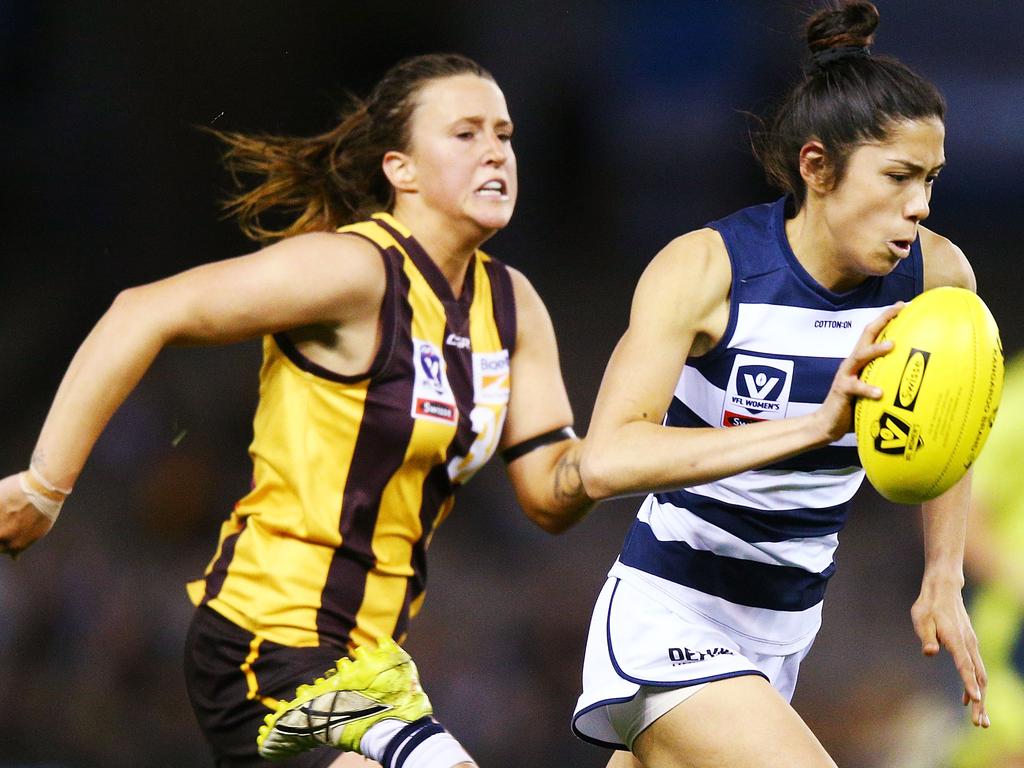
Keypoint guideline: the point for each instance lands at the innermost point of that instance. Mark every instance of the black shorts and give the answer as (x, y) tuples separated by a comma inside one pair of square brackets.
[(232, 687)]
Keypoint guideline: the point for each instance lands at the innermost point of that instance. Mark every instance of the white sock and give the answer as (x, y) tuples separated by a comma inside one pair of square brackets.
[(421, 744)]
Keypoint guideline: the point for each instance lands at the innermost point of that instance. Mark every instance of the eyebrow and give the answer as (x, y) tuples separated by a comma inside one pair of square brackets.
[(478, 120), (915, 167)]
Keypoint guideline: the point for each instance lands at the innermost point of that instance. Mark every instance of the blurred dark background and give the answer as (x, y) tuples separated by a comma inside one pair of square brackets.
[(631, 128)]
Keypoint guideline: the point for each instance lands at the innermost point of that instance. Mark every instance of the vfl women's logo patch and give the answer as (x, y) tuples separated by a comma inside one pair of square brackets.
[(758, 390), (432, 396)]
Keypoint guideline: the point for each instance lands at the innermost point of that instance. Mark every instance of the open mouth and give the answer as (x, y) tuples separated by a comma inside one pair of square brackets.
[(900, 247), (495, 189)]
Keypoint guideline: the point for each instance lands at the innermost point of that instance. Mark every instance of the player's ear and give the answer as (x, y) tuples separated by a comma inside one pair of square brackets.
[(816, 167), (400, 171)]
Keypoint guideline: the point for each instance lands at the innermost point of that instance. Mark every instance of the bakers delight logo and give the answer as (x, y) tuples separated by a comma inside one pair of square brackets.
[(491, 377), (758, 390)]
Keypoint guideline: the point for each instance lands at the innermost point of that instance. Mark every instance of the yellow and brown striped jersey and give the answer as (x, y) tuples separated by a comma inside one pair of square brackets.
[(352, 475)]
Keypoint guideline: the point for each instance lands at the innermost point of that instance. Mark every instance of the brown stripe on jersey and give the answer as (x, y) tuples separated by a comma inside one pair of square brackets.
[(437, 486), (380, 447), (432, 274), (219, 569), (503, 298)]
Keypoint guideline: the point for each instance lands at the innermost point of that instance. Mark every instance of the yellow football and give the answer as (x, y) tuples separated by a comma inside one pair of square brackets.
[(940, 385)]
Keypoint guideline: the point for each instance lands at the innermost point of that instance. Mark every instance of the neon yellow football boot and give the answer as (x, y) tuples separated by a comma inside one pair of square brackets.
[(337, 709)]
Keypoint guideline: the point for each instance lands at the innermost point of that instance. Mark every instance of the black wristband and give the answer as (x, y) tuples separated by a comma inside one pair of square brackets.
[(518, 450)]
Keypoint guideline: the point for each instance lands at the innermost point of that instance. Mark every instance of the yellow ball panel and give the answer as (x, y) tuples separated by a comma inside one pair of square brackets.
[(940, 391)]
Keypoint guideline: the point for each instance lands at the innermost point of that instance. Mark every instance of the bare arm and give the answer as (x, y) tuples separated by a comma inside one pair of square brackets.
[(306, 280), (939, 616), (546, 480), (678, 302)]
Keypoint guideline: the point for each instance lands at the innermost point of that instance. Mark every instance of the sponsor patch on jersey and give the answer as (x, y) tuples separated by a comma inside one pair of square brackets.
[(758, 390), (432, 396), (491, 379)]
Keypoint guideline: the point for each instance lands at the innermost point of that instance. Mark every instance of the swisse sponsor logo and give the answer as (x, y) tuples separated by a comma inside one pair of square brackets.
[(432, 396), (910, 380), (738, 420), (834, 324), (688, 656), (893, 436), (435, 410)]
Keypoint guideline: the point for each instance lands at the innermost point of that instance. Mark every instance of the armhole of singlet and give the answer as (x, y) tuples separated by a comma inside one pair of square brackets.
[(730, 327), (389, 325)]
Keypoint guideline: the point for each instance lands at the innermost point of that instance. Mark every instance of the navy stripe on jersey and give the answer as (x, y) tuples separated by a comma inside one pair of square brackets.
[(829, 457), (385, 424), (754, 525), (745, 582), (811, 380)]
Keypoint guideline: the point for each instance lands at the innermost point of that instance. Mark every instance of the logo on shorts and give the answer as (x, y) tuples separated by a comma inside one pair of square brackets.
[(686, 656)]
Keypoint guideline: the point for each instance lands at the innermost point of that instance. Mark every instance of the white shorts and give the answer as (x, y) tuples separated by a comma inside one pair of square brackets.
[(646, 654)]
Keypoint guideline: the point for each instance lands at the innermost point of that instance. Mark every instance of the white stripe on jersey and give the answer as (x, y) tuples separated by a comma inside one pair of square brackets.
[(782, 330), (780, 489), (672, 523)]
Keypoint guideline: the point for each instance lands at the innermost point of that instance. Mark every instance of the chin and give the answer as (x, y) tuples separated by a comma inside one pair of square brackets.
[(493, 221)]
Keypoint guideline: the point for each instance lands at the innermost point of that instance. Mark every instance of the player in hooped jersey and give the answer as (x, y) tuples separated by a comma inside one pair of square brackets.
[(397, 359), (729, 398)]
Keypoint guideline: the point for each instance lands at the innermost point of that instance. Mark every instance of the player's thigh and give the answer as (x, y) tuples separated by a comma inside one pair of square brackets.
[(352, 760), (622, 759), (741, 722)]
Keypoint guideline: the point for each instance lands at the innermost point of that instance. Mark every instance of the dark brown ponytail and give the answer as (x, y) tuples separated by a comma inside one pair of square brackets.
[(336, 178)]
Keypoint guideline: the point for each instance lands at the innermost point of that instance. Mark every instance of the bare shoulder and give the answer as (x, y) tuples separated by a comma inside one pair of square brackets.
[(344, 271), (944, 262), (687, 284), (531, 314), (700, 253)]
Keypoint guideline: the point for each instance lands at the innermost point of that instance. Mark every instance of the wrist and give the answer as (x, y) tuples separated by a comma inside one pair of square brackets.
[(944, 576), (41, 493)]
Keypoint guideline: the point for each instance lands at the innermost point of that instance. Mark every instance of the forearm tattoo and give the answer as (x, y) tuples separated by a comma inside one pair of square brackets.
[(568, 483)]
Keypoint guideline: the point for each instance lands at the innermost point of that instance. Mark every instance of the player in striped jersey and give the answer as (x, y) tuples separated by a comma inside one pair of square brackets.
[(398, 358), (729, 398)]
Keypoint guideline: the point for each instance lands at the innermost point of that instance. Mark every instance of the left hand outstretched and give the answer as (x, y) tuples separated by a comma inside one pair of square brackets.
[(941, 620)]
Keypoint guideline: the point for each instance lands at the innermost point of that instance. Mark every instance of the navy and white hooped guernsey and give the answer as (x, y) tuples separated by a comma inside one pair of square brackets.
[(754, 551)]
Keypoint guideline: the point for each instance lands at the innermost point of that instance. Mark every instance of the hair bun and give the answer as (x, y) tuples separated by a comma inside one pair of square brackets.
[(852, 25)]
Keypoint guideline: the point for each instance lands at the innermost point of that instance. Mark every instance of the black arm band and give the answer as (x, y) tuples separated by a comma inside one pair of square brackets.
[(518, 450)]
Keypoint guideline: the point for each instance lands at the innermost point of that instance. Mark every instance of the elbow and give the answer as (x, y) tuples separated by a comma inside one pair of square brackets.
[(134, 311), (556, 522), (596, 473)]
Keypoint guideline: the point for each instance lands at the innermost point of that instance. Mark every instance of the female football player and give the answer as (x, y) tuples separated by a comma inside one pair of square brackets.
[(729, 398), (397, 359)]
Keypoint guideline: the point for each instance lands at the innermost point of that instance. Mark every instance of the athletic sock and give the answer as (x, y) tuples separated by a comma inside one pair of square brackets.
[(420, 744)]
